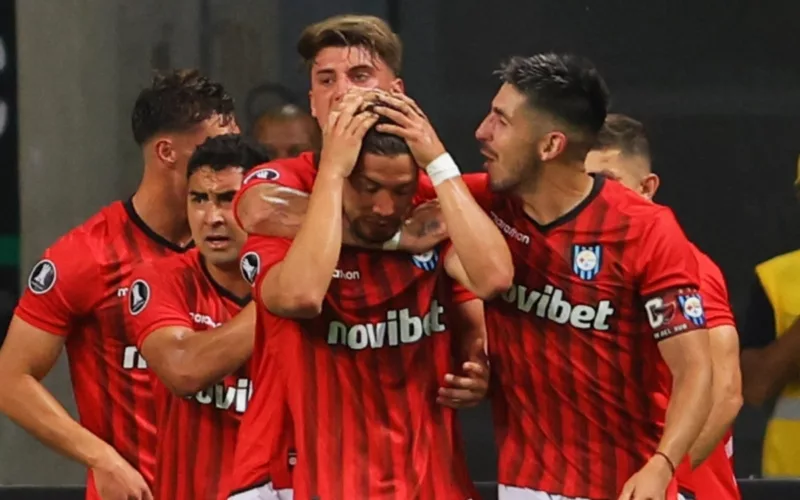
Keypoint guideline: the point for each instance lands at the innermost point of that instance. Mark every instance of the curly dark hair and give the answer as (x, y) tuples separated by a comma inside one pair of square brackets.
[(229, 150), (176, 102)]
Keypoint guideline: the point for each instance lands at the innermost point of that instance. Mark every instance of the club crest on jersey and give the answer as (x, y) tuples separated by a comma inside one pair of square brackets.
[(138, 296), (264, 174), (249, 266), (586, 260), (426, 261), (42, 277), (692, 307)]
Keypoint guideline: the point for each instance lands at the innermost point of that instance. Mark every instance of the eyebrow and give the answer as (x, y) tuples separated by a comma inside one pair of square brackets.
[(229, 192), (500, 112)]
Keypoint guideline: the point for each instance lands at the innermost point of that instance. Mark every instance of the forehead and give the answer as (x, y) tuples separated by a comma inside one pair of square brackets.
[(388, 170), (343, 58), (209, 180), (508, 100)]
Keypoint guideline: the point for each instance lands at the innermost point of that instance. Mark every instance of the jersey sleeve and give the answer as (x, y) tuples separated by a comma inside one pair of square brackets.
[(715, 294), (62, 287), (259, 255), (155, 301), (280, 172), (478, 185), (758, 328), (669, 278)]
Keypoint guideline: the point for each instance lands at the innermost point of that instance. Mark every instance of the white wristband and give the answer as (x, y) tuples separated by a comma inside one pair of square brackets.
[(394, 242), (442, 168)]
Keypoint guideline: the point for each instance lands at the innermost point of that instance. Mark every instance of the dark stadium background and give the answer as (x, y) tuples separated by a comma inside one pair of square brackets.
[(716, 83)]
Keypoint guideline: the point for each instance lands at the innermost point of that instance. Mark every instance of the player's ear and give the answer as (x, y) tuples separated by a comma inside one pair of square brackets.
[(649, 185), (165, 150), (398, 86), (552, 145)]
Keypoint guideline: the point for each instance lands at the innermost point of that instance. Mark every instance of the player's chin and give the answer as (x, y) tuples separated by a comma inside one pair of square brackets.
[(379, 233), (222, 257)]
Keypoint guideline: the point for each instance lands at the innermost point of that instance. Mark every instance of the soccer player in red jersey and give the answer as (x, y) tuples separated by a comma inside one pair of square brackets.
[(76, 299), (605, 301), (184, 311), (604, 306), (363, 337), (622, 152)]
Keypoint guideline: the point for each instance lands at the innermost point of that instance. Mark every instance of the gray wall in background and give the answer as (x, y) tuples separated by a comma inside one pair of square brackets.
[(81, 64)]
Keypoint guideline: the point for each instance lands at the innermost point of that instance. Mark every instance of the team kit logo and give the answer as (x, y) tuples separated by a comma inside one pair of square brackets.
[(426, 261), (138, 296), (249, 265), (692, 308), (586, 260), (42, 277), (264, 174)]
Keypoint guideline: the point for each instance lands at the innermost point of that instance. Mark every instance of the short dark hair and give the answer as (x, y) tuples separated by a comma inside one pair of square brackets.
[(381, 143), (228, 150), (352, 30), (567, 87), (625, 134), (176, 102)]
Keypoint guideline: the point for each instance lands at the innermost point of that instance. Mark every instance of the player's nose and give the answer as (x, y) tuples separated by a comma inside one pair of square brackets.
[(383, 204), (483, 133)]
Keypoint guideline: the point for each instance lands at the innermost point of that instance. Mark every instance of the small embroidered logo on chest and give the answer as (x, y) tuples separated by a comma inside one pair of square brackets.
[(426, 261), (586, 261)]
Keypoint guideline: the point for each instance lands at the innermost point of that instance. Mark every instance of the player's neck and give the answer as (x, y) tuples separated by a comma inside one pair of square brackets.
[(229, 277), (555, 192), (157, 204)]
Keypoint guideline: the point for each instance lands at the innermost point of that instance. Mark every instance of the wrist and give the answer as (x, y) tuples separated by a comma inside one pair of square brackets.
[(100, 456), (442, 168), (665, 462)]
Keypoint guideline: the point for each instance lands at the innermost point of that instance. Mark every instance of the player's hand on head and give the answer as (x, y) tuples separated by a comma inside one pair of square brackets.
[(116, 479), (469, 388), (411, 124), (424, 229), (343, 132), (650, 483)]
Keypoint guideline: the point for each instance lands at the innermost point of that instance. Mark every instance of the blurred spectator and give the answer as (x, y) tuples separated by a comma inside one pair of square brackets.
[(771, 358), (287, 131)]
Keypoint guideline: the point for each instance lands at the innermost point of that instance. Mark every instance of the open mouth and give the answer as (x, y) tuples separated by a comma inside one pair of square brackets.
[(217, 241)]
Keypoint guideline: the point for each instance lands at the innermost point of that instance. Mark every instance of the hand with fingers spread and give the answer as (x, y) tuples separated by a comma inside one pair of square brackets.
[(343, 133), (411, 124), (469, 389)]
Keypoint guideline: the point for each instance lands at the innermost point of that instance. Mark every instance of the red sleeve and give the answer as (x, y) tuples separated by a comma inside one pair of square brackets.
[(478, 185), (284, 173), (715, 293), (63, 286), (155, 301), (669, 278), (259, 255)]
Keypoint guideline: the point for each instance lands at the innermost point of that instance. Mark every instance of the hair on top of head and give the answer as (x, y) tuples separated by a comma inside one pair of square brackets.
[(625, 134), (565, 86), (382, 143), (228, 150), (176, 102), (352, 30)]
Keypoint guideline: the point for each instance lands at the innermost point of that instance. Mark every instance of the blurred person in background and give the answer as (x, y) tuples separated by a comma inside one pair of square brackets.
[(622, 153), (188, 320), (286, 131), (771, 358), (76, 298)]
